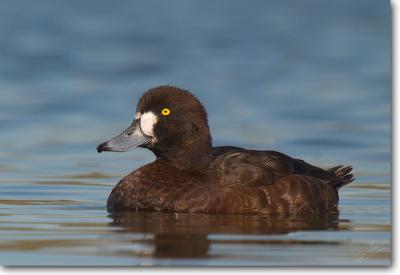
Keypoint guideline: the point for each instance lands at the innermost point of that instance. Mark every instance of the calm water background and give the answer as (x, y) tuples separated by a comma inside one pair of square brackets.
[(308, 78)]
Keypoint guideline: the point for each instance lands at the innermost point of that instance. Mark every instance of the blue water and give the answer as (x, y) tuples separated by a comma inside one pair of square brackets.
[(309, 78)]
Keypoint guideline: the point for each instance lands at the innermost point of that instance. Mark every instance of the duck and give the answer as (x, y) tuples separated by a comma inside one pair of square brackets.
[(189, 175)]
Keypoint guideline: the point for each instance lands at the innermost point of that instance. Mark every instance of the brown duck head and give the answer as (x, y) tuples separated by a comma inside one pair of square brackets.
[(170, 122)]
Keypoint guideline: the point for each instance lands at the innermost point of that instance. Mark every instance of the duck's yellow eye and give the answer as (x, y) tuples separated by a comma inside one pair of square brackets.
[(165, 112)]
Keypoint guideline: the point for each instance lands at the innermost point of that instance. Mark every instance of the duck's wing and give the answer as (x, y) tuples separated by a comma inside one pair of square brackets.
[(235, 165), (250, 167)]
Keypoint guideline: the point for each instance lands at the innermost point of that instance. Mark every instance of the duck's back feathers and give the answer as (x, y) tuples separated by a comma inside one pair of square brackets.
[(250, 167)]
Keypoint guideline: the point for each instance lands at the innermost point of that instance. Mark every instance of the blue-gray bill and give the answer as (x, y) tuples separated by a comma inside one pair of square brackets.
[(128, 139)]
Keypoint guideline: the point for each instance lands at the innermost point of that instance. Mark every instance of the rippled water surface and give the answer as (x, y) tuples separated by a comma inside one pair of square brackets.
[(308, 78)]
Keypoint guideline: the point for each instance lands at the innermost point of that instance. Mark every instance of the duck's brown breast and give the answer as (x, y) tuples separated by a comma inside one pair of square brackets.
[(158, 186)]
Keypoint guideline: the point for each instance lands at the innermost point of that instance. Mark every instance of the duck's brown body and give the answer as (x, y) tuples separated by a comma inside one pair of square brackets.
[(189, 175), (237, 181)]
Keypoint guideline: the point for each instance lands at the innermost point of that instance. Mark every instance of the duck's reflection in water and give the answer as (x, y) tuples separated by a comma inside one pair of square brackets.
[(181, 235)]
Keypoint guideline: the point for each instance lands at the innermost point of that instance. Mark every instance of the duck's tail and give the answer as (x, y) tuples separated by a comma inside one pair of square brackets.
[(343, 173)]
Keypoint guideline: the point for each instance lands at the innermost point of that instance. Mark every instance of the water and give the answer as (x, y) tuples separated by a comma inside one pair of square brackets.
[(308, 78)]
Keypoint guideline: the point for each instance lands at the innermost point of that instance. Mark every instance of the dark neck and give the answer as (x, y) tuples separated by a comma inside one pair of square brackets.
[(192, 153)]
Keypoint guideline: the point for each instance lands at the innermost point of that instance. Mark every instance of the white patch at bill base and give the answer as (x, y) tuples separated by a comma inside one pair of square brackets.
[(147, 122)]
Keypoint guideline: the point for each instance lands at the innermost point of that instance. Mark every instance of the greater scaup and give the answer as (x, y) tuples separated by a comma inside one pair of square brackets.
[(189, 175)]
